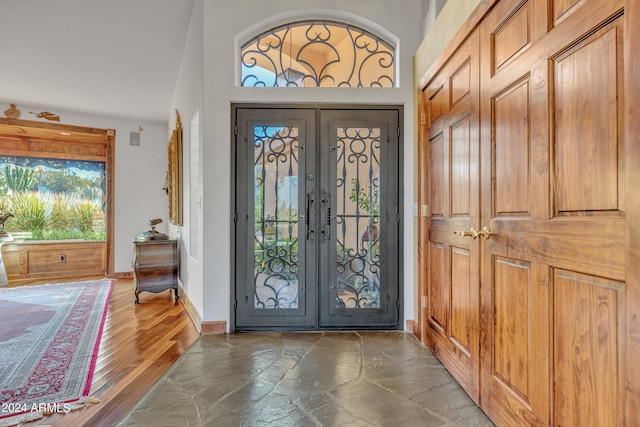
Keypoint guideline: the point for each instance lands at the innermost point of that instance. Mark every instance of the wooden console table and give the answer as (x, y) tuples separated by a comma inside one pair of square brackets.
[(155, 266)]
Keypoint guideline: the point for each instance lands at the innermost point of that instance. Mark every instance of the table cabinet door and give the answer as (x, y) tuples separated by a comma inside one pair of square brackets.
[(156, 267)]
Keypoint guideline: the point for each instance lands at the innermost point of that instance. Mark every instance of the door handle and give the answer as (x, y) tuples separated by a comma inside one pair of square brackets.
[(309, 232), (474, 234), (329, 216), (306, 219), (485, 233), (325, 217)]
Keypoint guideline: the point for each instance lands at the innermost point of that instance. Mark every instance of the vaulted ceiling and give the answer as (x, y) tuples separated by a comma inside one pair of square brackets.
[(108, 57)]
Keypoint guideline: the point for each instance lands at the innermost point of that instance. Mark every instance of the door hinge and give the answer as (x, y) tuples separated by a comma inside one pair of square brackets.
[(235, 304), (398, 303), (398, 218), (398, 130), (235, 217), (235, 130)]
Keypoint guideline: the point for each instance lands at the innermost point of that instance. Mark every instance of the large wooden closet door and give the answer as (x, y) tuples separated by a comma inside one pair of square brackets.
[(553, 181), (452, 260)]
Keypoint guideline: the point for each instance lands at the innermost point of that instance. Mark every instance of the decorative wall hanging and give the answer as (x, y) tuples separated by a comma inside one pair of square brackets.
[(46, 115), (174, 173), (12, 112)]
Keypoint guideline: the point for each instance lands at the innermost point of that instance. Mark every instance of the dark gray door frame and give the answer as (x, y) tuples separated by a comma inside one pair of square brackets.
[(237, 240)]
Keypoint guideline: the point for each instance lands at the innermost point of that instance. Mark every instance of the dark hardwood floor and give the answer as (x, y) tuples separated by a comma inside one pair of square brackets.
[(139, 343)]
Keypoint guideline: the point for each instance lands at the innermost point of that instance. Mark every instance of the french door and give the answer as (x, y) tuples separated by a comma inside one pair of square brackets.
[(317, 218)]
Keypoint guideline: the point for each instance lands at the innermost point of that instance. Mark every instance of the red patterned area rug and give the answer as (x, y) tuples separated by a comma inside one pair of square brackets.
[(49, 340)]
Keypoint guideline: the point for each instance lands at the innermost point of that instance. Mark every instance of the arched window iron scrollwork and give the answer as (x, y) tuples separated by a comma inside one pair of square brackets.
[(318, 54)]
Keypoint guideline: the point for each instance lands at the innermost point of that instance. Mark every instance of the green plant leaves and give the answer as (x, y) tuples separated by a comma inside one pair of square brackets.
[(53, 216)]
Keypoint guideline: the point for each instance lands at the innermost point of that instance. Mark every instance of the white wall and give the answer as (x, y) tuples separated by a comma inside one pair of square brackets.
[(139, 176), (188, 100), (225, 26)]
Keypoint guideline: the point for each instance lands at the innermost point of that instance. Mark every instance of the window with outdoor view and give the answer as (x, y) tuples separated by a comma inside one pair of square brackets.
[(318, 54), (53, 199)]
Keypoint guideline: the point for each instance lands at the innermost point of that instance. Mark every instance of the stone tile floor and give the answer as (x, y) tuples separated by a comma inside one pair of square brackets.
[(373, 378)]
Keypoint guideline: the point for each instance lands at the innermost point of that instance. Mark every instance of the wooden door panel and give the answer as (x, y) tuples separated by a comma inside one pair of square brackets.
[(457, 361), (438, 288), (438, 188), (511, 342), (461, 299), (450, 323), (561, 8), (588, 161), (438, 104), (460, 168), (460, 84), (512, 158), (512, 35), (586, 318), (515, 373)]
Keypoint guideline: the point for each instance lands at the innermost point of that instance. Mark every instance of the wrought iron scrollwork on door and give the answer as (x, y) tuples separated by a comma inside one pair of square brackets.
[(358, 218), (276, 218)]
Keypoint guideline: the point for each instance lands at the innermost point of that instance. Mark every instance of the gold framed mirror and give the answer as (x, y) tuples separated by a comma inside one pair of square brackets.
[(174, 173)]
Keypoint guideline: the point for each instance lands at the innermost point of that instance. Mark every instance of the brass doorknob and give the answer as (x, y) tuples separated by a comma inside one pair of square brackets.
[(485, 233), (473, 233)]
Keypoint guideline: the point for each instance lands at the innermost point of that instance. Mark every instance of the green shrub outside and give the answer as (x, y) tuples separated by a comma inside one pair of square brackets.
[(66, 213), (53, 216)]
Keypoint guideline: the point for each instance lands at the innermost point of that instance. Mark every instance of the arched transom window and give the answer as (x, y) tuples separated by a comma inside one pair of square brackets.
[(318, 54)]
